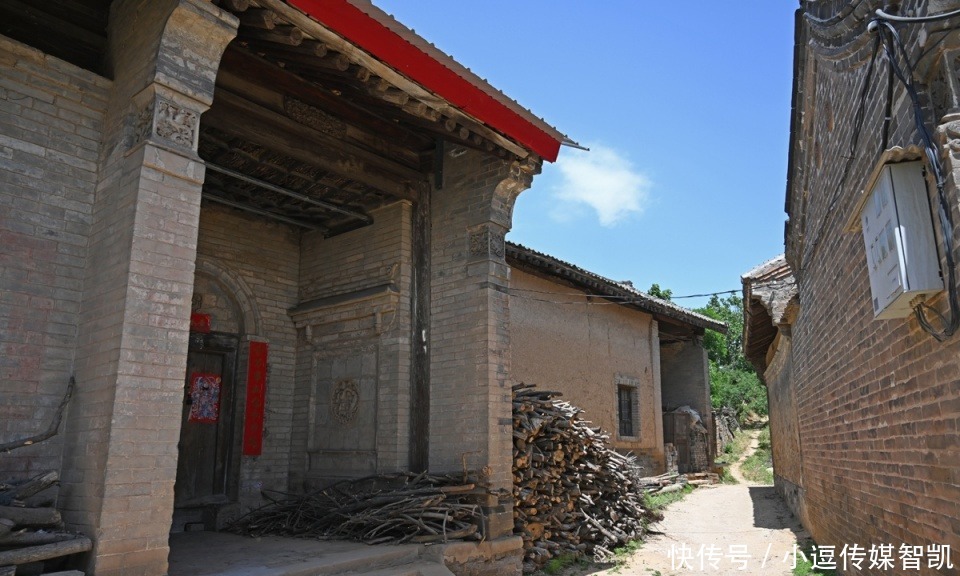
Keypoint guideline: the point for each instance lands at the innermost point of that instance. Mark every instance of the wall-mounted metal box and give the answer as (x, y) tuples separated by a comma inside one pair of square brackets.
[(898, 236)]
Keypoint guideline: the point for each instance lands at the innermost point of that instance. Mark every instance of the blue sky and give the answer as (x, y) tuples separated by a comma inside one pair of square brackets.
[(686, 111)]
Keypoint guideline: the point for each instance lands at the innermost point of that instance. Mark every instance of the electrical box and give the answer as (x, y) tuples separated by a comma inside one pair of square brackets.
[(898, 236)]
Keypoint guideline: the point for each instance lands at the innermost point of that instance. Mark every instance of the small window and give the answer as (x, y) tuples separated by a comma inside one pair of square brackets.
[(626, 400)]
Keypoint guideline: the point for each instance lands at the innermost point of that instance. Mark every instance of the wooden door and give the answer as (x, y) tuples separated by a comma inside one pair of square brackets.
[(206, 434)]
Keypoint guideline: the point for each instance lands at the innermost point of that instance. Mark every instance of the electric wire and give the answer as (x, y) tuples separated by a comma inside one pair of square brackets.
[(630, 298), (883, 16), (858, 121), (894, 47)]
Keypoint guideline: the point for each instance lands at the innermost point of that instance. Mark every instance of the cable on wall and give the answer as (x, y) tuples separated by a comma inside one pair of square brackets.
[(895, 51)]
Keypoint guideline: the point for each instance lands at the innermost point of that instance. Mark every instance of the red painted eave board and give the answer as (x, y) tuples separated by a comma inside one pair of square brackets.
[(389, 47)]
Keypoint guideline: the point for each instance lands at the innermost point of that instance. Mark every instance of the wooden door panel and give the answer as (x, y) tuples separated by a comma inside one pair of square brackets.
[(205, 447)]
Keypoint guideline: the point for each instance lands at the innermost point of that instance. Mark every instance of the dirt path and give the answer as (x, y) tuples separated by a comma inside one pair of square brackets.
[(718, 529), (735, 470)]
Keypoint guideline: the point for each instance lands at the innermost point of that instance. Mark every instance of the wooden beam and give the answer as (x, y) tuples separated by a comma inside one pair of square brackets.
[(287, 35), (309, 48), (358, 56), (235, 5), (262, 19), (239, 117), (246, 73)]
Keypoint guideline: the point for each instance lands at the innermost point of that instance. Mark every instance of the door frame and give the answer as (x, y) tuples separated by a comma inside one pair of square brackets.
[(227, 465)]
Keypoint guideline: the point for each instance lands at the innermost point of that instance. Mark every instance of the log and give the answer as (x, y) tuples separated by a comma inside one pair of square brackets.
[(6, 526), (572, 494), (8, 570), (288, 35), (262, 19), (26, 538), (34, 517), (235, 5), (45, 552), (33, 486)]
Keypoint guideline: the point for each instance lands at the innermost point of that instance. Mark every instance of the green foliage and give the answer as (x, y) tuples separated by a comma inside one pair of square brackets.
[(658, 502), (661, 293), (557, 564), (739, 389), (757, 467), (733, 381), (805, 562)]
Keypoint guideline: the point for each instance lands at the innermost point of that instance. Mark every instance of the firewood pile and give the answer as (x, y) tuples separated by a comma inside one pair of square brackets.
[(31, 528), (572, 494), (382, 509)]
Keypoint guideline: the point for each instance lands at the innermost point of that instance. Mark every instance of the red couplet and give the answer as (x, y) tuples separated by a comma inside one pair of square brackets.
[(256, 399)]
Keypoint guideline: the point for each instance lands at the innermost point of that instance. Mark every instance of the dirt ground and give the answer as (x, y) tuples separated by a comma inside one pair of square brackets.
[(719, 530)]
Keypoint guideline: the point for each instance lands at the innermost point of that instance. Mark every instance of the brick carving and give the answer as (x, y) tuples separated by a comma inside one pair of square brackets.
[(144, 123), (176, 124), (345, 401), (487, 242), (169, 121), (314, 117)]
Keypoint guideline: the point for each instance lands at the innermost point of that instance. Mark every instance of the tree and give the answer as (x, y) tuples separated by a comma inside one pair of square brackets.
[(733, 381), (657, 292)]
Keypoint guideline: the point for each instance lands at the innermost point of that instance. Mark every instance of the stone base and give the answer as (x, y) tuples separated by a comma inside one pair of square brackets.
[(500, 557)]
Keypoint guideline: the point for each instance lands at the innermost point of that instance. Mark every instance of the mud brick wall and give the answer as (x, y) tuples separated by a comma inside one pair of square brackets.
[(585, 351), (51, 116), (877, 402)]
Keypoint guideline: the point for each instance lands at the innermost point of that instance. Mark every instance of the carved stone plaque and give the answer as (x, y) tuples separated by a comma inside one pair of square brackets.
[(345, 401)]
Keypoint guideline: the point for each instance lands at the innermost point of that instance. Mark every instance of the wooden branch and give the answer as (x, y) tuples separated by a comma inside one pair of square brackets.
[(45, 552), (35, 517), (35, 485), (8, 570), (51, 429)]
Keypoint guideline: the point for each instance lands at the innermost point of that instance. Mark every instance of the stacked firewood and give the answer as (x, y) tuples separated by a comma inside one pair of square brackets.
[(395, 508), (572, 493), (31, 528)]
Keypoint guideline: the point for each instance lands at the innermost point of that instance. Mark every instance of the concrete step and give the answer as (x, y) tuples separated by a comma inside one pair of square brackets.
[(220, 554)]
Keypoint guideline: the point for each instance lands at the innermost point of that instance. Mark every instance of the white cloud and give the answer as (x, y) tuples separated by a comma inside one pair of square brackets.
[(601, 179)]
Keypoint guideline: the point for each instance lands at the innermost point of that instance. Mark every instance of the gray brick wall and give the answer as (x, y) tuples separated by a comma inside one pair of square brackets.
[(356, 337), (469, 339), (263, 257), (51, 118)]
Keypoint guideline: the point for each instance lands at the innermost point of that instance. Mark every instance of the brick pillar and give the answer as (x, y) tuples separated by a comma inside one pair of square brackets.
[(120, 454), (470, 404)]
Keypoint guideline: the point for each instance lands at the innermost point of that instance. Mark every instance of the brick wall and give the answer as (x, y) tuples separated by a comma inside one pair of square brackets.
[(878, 402), (685, 381), (354, 335), (784, 430), (51, 117), (469, 338), (257, 270), (585, 349)]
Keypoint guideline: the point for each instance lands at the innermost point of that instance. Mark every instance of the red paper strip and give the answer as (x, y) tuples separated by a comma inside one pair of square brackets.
[(199, 322), (256, 399)]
